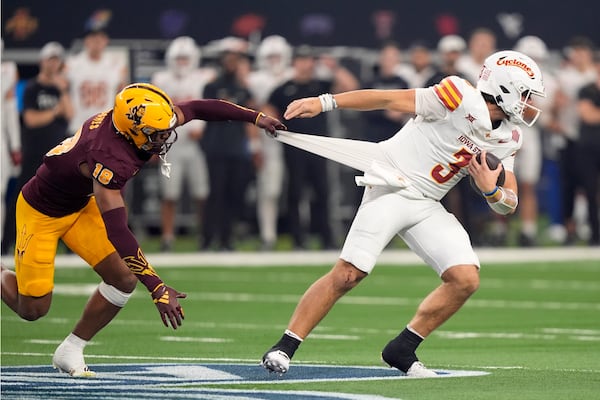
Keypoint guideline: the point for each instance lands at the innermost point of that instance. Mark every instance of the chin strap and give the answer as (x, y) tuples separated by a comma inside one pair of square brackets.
[(165, 167)]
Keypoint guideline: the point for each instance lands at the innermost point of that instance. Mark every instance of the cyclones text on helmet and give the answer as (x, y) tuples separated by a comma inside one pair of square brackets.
[(144, 114), (511, 79)]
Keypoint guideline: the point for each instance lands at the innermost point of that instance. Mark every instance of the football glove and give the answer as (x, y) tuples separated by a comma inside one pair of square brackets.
[(270, 124), (166, 300)]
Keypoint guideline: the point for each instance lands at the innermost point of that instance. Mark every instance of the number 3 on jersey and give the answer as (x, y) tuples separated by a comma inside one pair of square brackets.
[(441, 174), (102, 174)]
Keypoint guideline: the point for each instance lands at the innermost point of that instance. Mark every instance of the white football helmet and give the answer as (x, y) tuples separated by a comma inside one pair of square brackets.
[(510, 78), (533, 46), (182, 56), (274, 54)]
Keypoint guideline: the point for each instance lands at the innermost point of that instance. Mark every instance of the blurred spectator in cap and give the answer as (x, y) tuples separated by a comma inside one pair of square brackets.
[(10, 140), (450, 49), (95, 76), (232, 150), (47, 110)]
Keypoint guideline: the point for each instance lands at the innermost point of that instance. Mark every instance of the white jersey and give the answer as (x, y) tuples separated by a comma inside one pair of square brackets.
[(184, 88), (570, 81), (93, 85), (262, 82), (8, 80), (453, 123)]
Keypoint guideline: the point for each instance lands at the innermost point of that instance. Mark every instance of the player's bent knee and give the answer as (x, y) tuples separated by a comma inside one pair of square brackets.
[(347, 276), (465, 278), (32, 309), (114, 295)]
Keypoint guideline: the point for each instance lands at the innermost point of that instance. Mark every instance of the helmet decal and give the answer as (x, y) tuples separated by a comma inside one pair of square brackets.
[(136, 113), (516, 63)]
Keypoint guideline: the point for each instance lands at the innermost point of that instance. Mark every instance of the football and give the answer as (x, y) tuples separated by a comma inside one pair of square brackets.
[(493, 162)]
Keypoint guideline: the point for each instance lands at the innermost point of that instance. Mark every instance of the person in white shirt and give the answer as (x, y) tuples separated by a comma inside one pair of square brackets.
[(273, 60), (528, 166), (482, 43), (184, 80), (10, 140), (575, 74), (405, 178), (95, 76)]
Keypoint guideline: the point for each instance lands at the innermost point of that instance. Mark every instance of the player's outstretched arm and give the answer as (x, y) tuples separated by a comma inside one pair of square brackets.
[(221, 110), (402, 100), (112, 207)]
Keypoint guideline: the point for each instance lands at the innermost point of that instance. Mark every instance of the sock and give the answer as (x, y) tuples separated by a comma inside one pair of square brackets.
[(76, 341), (400, 351), (529, 228), (288, 344)]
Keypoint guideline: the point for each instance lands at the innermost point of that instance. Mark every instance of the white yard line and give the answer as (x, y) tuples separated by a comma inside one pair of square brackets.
[(298, 258)]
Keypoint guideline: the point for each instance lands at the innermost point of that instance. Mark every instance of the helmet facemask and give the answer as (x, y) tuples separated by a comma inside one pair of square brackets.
[(158, 142), (520, 110)]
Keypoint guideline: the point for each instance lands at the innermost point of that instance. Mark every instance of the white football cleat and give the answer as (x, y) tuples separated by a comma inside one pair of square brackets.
[(418, 370), (276, 361), (67, 358)]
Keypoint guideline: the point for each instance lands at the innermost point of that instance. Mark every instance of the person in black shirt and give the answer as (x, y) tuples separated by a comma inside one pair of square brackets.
[(229, 154), (588, 107), (47, 110), (305, 169), (383, 124)]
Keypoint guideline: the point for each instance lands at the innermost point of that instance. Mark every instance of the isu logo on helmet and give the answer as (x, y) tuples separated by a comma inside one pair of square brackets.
[(144, 114), (516, 63)]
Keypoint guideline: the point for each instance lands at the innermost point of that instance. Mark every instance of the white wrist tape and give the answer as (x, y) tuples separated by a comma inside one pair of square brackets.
[(327, 102), (507, 203), (113, 295)]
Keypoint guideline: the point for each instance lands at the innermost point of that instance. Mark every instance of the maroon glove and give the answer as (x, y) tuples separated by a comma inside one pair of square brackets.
[(168, 306), (269, 124)]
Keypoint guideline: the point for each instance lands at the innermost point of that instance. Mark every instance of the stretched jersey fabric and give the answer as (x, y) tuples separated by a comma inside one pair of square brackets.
[(431, 152), (59, 188)]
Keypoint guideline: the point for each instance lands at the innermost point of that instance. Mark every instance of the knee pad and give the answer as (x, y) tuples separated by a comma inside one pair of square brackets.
[(113, 295)]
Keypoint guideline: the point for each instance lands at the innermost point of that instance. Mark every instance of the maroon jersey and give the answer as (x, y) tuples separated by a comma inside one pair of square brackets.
[(59, 188)]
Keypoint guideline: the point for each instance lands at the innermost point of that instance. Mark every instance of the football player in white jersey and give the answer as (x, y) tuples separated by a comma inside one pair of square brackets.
[(528, 167), (10, 130), (95, 76), (183, 80), (405, 177), (273, 59)]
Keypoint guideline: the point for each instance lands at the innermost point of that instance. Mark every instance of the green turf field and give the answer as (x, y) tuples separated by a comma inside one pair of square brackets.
[(534, 327)]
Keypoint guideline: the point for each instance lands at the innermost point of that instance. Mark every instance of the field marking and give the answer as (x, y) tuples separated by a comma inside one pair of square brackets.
[(194, 339), (75, 290), (303, 258)]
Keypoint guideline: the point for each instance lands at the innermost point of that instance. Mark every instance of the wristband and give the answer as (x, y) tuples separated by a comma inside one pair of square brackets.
[(328, 103), (260, 114), (490, 194)]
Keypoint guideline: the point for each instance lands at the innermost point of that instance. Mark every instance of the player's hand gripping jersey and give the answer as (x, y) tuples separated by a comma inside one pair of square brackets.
[(452, 125)]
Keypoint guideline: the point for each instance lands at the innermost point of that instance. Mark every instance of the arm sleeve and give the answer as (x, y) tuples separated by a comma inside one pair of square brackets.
[(428, 105), (217, 110), (128, 248)]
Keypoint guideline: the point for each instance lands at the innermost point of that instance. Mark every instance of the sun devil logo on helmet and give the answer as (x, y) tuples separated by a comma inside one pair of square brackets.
[(516, 63), (136, 113)]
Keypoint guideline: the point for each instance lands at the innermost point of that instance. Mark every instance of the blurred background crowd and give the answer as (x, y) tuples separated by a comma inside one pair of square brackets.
[(232, 187)]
